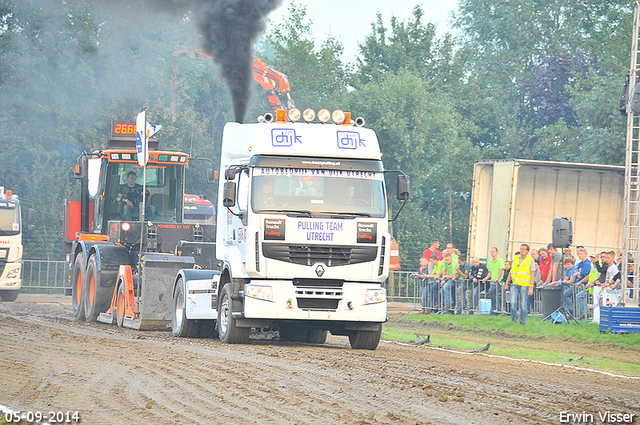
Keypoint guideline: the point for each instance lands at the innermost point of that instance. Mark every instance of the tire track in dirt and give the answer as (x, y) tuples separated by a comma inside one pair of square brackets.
[(113, 375)]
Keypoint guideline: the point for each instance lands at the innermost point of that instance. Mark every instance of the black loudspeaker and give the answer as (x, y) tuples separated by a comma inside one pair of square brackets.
[(562, 232)]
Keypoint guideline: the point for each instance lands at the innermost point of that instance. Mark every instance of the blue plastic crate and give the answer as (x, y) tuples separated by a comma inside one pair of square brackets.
[(620, 319)]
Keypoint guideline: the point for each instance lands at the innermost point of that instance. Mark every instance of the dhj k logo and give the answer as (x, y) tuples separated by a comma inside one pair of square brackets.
[(350, 140), (284, 137)]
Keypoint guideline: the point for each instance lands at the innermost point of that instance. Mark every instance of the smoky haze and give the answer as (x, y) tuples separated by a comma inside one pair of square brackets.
[(229, 29)]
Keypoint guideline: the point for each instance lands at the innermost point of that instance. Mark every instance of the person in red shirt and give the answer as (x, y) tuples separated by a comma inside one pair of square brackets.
[(545, 264), (435, 244)]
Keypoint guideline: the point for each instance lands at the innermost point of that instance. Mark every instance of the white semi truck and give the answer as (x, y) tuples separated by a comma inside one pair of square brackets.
[(302, 235), (11, 244)]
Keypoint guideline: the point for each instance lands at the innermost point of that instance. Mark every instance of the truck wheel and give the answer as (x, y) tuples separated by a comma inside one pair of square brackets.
[(293, 335), (181, 326), (9, 295), (365, 340), (77, 286), (97, 298), (316, 336), (120, 305), (227, 329)]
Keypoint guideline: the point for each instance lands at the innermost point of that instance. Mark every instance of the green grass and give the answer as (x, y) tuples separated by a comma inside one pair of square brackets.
[(557, 343)]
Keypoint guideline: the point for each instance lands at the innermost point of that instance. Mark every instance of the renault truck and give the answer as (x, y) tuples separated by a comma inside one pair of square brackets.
[(302, 237)]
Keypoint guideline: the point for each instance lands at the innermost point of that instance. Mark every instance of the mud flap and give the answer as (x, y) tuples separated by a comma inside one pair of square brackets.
[(155, 303)]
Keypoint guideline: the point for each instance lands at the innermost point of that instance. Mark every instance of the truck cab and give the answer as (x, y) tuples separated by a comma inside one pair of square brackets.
[(11, 249), (303, 232)]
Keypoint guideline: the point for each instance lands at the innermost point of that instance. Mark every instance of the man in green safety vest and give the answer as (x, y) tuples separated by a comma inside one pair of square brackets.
[(522, 271), (581, 297)]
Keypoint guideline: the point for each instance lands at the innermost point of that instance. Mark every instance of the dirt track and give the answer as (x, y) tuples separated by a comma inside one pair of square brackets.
[(119, 376)]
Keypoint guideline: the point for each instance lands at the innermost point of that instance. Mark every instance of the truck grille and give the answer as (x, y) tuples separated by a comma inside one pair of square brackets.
[(325, 283), (309, 255), (317, 304)]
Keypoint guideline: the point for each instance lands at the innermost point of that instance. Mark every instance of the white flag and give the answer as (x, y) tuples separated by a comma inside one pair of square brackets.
[(142, 141), (152, 129)]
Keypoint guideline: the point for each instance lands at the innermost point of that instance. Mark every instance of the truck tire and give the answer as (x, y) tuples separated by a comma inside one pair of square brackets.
[(181, 326), (293, 335), (97, 297), (120, 305), (77, 287), (227, 329), (365, 340), (316, 336), (208, 329), (9, 295)]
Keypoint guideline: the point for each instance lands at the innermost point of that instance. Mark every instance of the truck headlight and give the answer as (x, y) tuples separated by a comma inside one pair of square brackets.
[(259, 292), (13, 274), (375, 296)]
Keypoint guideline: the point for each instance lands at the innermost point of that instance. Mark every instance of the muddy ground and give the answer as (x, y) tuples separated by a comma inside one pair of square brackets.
[(110, 375)]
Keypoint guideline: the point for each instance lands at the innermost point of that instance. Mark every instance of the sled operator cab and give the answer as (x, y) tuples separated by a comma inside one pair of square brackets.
[(126, 236)]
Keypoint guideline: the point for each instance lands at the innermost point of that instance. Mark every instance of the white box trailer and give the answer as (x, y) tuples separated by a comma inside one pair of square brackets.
[(514, 201)]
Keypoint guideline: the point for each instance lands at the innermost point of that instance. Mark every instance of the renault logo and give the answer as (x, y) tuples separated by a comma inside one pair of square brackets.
[(319, 270)]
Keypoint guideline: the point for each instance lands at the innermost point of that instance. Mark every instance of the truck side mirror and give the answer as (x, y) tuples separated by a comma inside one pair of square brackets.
[(80, 170), (229, 199), (30, 228), (211, 175), (31, 214), (403, 187), (230, 173)]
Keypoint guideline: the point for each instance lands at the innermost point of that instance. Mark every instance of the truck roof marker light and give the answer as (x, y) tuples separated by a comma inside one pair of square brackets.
[(294, 114), (324, 115), (115, 156), (309, 115), (347, 119), (359, 122), (126, 226), (268, 117), (338, 116), (281, 116)]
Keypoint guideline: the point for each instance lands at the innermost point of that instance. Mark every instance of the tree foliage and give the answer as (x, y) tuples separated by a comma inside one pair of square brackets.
[(535, 80)]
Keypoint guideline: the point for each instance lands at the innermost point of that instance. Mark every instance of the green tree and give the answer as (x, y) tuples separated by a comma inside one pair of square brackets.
[(67, 71), (318, 79)]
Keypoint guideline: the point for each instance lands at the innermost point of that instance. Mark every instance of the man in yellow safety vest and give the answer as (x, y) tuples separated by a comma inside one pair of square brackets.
[(522, 271)]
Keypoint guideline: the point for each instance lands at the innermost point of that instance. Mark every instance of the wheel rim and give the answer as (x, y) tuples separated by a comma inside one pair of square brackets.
[(92, 289), (78, 286), (179, 309), (224, 315)]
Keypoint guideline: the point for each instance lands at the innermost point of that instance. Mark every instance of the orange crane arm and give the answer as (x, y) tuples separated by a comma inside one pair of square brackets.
[(271, 81)]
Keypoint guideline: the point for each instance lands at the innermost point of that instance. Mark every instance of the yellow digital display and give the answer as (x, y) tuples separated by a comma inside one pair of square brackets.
[(123, 129)]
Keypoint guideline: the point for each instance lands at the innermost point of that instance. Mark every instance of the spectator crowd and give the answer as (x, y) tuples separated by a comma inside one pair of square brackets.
[(451, 285)]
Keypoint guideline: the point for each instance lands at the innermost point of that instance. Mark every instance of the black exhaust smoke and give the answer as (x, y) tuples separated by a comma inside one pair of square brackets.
[(229, 29)]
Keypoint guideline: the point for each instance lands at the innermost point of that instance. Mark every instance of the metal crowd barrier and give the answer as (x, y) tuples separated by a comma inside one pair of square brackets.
[(43, 277), (405, 287)]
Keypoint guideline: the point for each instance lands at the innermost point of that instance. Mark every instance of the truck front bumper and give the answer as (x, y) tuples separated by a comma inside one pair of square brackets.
[(281, 300)]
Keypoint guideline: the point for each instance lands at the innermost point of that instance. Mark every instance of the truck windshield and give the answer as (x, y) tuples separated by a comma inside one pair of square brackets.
[(164, 200), (318, 192), (9, 218)]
